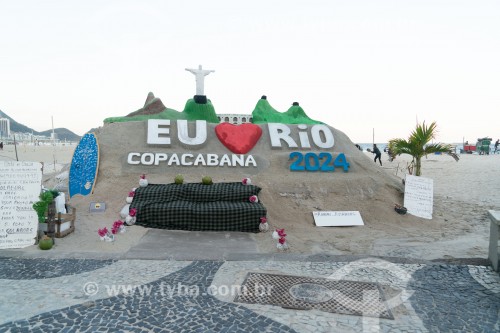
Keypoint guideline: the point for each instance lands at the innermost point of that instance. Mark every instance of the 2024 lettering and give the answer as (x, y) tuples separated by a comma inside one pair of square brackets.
[(317, 162)]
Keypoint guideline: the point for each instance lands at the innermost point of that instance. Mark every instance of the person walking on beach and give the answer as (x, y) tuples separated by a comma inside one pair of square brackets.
[(496, 145), (377, 153)]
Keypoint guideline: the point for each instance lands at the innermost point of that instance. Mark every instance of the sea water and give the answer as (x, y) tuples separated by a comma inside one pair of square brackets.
[(366, 146), (458, 147)]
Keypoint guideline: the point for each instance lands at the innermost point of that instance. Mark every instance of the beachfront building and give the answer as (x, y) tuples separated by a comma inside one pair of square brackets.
[(4, 128), (235, 119), (29, 138), (26, 137)]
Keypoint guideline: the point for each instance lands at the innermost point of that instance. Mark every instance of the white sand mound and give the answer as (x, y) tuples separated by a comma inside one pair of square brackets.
[(459, 227)]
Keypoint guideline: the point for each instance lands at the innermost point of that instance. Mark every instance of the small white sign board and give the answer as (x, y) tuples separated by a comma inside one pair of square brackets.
[(419, 196), (337, 218), (20, 185)]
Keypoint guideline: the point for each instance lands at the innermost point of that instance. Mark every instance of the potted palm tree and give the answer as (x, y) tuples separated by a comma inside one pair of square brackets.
[(418, 145), (42, 207)]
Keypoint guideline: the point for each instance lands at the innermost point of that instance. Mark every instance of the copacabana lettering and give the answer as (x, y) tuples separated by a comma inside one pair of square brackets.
[(188, 159)]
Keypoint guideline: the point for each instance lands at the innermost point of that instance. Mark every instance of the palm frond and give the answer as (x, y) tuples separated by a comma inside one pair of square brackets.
[(441, 148), (417, 145)]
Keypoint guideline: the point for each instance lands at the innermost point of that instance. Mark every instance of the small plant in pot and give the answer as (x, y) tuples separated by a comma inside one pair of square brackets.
[(41, 206)]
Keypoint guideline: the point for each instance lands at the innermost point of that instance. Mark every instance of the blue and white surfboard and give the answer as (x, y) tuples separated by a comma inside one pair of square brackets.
[(84, 166)]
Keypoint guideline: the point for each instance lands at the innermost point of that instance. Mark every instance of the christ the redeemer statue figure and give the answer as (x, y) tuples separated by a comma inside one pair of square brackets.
[(200, 74)]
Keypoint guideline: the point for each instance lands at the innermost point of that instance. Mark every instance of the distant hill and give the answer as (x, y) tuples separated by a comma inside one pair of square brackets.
[(62, 133)]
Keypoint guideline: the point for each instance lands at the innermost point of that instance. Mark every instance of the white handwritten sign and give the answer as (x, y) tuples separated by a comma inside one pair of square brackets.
[(419, 196), (20, 184), (337, 218)]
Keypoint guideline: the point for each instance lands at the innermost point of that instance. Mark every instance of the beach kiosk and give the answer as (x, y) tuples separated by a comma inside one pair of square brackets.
[(483, 146)]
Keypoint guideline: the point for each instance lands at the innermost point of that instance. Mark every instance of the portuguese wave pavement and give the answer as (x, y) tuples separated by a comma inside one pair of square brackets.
[(165, 295)]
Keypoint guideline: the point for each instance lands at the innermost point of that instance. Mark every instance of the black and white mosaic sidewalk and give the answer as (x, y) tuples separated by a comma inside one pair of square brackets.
[(78, 295)]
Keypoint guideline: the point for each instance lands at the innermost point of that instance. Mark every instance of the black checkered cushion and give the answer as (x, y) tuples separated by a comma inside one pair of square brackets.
[(194, 206), (196, 192)]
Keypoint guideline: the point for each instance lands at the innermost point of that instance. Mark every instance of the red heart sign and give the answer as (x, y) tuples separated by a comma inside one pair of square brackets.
[(239, 139)]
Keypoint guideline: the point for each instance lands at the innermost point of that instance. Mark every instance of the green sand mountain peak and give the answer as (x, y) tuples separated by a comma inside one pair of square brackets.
[(154, 109), (263, 113)]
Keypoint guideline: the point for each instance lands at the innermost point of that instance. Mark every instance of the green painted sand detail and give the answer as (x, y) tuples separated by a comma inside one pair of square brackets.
[(192, 111), (265, 113), (167, 114), (262, 114)]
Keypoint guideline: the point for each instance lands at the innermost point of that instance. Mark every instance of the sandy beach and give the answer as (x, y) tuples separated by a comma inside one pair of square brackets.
[(463, 193), (53, 158)]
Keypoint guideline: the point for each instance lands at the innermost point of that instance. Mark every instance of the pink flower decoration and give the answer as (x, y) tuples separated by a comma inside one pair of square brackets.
[(117, 224), (263, 226), (281, 232), (246, 181), (282, 240), (133, 212), (114, 230), (131, 193), (102, 232), (143, 176), (253, 198)]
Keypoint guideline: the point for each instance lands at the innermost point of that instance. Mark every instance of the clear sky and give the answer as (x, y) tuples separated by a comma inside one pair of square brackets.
[(358, 65)]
